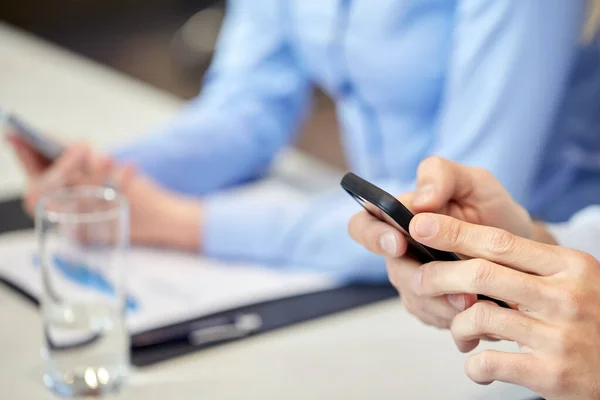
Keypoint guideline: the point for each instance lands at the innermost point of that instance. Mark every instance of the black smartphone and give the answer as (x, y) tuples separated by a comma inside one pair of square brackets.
[(387, 208)]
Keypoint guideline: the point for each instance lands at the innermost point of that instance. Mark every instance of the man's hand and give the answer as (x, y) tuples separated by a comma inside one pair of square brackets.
[(470, 194), (557, 290)]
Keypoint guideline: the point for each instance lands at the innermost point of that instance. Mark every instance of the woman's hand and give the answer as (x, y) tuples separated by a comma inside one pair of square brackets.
[(79, 165), (158, 217), (470, 194), (557, 290)]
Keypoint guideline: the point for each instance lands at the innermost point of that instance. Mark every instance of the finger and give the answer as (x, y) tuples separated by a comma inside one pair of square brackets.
[(516, 368), (123, 176), (478, 276), (406, 199), (488, 319), (440, 308), (99, 169), (376, 236), (440, 180), (461, 301), (450, 234), (429, 319), (401, 273), (67, 170)]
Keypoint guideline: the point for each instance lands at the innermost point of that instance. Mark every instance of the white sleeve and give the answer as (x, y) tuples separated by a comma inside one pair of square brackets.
[(581, 232)]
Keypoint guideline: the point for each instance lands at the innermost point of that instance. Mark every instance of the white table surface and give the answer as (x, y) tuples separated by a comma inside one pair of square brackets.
[(375, 352)]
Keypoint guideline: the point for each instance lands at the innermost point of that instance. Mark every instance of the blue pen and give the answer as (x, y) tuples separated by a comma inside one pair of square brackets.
[(85, 276)]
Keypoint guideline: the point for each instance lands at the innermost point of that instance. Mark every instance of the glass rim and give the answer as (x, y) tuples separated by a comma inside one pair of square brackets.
[(116, 201)]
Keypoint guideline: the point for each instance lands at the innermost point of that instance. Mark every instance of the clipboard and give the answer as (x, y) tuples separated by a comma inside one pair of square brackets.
[(166, 342)]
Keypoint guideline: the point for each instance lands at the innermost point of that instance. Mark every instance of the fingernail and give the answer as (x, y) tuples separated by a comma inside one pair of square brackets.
[(388, 243), (417, 279), (423, 195), (426, 226), (458, 301)]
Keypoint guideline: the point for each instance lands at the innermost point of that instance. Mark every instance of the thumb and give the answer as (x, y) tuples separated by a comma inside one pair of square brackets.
[(439, 181)]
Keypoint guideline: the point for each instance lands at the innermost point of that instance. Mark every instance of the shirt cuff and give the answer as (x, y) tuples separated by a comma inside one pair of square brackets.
[(302, 236), (239, 229)]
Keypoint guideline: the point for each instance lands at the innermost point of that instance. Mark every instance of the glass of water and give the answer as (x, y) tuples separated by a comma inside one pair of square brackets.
[(83, 234)]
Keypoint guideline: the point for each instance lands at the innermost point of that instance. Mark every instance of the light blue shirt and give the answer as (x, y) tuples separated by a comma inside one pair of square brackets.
[(477, 81)]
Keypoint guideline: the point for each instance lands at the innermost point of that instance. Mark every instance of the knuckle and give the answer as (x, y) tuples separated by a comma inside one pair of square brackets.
[(482, 315), (483, 275), (453, 233), (442, 323), (575, 302), (501, 243), (561, 379), (429, 276), (483, 174), (432, 162), (584, 264)]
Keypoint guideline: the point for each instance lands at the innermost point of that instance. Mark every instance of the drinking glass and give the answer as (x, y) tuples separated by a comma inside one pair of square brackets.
[(83, 235)]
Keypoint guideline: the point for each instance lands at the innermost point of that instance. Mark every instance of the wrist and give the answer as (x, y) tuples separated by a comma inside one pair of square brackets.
[(162, 218), (180, 225)]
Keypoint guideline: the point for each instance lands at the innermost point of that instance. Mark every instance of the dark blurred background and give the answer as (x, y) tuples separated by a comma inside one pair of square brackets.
[(166, 43)]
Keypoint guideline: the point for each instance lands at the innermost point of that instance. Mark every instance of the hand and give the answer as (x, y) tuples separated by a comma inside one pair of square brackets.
[(557, 290), (470, 194), (30, 159), (158, 217), (79, 165)]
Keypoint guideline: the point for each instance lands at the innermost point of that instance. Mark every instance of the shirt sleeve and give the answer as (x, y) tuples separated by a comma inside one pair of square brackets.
[(253, 97), (507, 73), (302, 235), (581, 232)]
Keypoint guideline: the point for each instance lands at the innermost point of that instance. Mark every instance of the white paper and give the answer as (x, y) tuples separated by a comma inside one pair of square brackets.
[(171, 286)]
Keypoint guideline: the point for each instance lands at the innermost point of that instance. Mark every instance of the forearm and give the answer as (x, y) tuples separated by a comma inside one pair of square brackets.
[(253, 98), (197, 153)]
